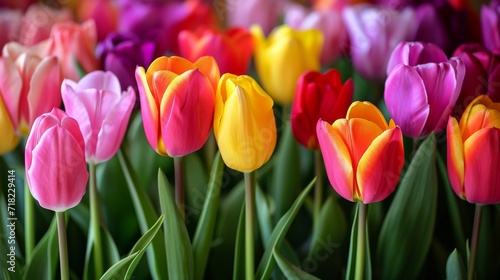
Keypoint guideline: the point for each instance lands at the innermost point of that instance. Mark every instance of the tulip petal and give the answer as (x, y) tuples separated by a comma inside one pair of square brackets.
[(103, 80), (175, 64), (380, 167), (9, 138), (337, 158), (478, 117), (455, 158), (10, 88), (482, 159), (406, 100), (366, 110), (59, 166), (208, 66)]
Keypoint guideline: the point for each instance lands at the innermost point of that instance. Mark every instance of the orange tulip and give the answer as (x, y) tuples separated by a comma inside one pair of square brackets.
[(473, 152), (363, 154)]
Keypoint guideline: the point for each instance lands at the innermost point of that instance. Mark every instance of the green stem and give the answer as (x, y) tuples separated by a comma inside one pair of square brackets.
[(179, 184), (249, 217), (95, 221), (360, 245), (475, 238), (318, 188), (29, 216), (210, 150), (63, 245)]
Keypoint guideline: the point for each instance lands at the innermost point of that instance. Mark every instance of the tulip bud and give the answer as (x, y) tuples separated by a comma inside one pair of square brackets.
[(56, 171), (363, 154), (473, 154), (244, 124), (102, 110)]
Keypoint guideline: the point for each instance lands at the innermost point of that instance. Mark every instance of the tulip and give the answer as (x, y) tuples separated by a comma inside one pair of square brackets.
[(56, 171), (231, 48), (29, 85), (482, 73), (9, 138), (102, 110), (490, 26), (329, 22), (374, 32), (103, 12), (74, 46), (246, 13), (244, 124), (283, 57), (420, 98), (177, 103), (363, 154), (10, 24), (121, 53), (473, 154), (415, 53), (318, 96)]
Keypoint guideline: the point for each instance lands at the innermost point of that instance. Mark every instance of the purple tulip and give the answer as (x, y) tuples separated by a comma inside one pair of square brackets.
[(102, 110), (420, 98), (414, 53), (245, 13), (374, 32), (490, 26)]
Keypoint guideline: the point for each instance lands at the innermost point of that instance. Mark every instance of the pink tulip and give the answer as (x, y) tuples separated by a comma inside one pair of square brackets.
[(249, 12), (103, 12), (102, 110), (373, 33), (10, 24), (29, 84), (329, 22), (414, 53), (74, 45), (490, 26), (56, 171)]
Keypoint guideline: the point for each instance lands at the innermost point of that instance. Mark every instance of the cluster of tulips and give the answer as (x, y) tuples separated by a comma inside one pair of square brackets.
[(397, 104)]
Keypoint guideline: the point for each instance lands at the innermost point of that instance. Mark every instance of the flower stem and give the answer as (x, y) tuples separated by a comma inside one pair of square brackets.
[(63, 245), (475, 238), (318, 188), (360, 245), (249, 217), (29, 216), (179, 183), (95, 221)]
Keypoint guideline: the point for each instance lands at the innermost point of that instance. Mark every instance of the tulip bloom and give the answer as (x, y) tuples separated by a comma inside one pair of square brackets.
[(29, 85), (420, 98), (318, 96), (363, 154), (102, 110), (246, 13), (231, 48), (9, 137), (244, 124), (103, 12), (473, 154), (374, 32), (415, 53), (283, 57), (177, 103), (56, 171), (490, 26)]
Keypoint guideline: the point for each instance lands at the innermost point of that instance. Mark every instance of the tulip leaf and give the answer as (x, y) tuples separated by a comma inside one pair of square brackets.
[(124, 268), (286, 180), (205, 228), (146, 217), (239, 248), (109, 250), (455, 268), (263, 215), (331, 230), (291, 271), (351, 261), (43, 262), (178, 246), (406, 234), (196, 183), (278, 235)]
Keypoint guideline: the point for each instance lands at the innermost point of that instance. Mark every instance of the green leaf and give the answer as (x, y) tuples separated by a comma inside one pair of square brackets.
[(291, 271), (286, 171), (177, 243), (278, 235), (263, 215), (124, 268), (239, 248), (205, 228), (406, 233), (196, 182), (109, 251), (44, 262), (351, 261), (332, 226), (455, 268), (146, 217)]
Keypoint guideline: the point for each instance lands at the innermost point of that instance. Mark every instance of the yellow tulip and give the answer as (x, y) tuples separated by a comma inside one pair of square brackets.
[(284, 56), (9, 138), (244, 124)]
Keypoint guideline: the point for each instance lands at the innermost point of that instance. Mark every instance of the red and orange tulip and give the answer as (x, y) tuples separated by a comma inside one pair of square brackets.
[(363, 154), (473, 152)]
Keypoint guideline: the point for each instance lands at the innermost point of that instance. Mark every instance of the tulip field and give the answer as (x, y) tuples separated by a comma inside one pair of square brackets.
[(249, 139)]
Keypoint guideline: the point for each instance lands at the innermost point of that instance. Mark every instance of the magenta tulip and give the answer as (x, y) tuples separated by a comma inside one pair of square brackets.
[(490, 26), (414, 53), (102, 110), (56, 171)]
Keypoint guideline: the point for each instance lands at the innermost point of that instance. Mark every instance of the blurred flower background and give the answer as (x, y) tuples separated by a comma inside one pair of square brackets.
[(250, 139)]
